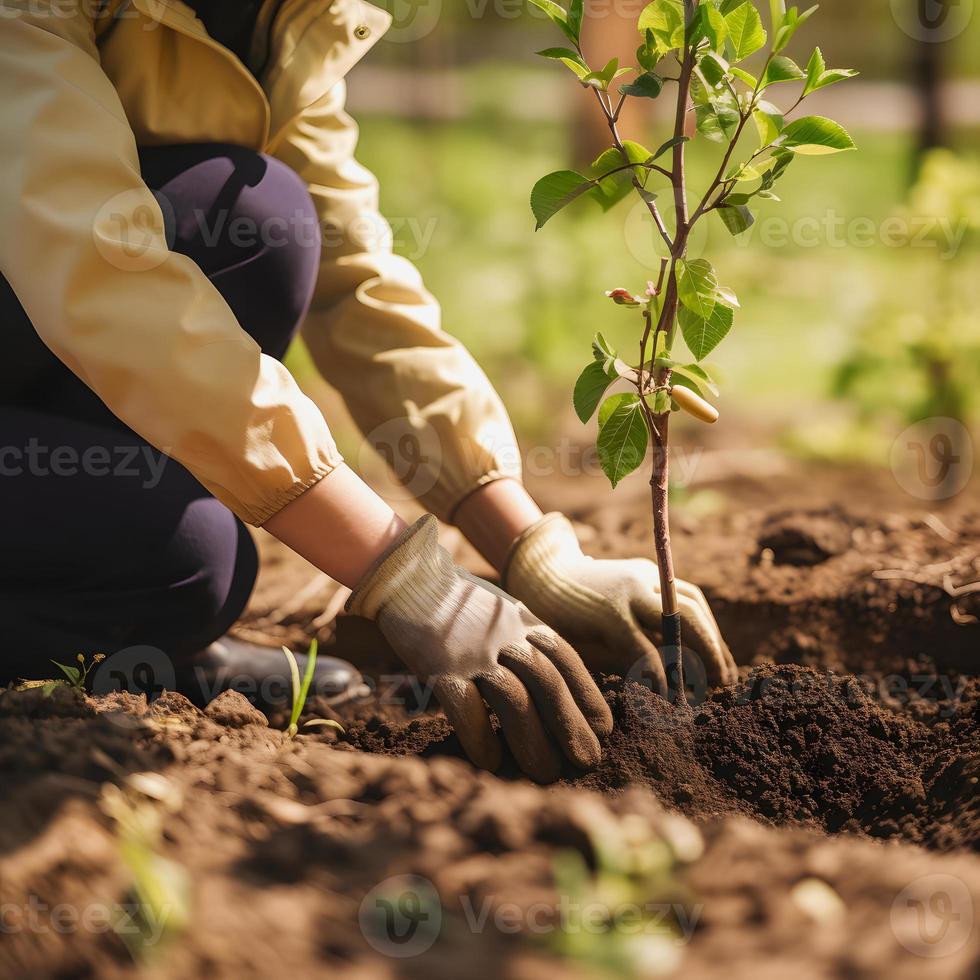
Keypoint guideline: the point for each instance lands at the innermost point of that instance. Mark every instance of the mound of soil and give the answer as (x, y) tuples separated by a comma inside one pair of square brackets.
[(787, 746)]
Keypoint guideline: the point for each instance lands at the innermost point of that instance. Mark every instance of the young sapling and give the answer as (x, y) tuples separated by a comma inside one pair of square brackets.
[(702, 47)]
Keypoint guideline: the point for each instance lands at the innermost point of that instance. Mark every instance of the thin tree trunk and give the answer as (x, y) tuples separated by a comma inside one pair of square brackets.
[(927, 71)]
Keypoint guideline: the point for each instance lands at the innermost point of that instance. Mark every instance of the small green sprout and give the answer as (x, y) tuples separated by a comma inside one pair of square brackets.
[(78, 675), (301, 691)]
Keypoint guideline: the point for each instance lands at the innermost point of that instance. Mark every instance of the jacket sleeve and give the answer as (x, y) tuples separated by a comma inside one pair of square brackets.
[(375, 334), (83, 245)]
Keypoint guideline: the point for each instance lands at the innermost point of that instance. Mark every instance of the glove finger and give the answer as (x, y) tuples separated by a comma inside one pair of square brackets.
[(718, 660), (576, 675), (697, 598), (699, 638), (468, 715), (536, 756), (555, 704)]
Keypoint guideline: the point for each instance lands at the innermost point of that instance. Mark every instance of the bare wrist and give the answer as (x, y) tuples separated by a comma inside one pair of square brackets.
[(494, 516)]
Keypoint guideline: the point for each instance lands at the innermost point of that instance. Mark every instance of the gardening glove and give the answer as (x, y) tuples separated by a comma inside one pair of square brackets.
[(473, 643), (609, 609)]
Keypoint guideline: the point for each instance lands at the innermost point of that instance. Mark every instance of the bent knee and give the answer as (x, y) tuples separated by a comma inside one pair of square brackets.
[(214, 569)]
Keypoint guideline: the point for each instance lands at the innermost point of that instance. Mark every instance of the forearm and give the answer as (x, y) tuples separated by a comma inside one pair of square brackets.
[(340, 525), (494, 516)]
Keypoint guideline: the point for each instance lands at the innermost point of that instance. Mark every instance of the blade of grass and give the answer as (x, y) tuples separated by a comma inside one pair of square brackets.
[(294, 685), (299, 701), (325, 723)]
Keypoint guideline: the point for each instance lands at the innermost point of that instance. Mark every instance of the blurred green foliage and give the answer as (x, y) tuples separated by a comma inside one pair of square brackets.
[(917, 355)]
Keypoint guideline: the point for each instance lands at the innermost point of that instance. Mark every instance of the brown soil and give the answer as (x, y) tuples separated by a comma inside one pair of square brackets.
[(830, 800)]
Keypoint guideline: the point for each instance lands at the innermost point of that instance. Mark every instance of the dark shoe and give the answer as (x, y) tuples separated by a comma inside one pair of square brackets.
[(262, 674)]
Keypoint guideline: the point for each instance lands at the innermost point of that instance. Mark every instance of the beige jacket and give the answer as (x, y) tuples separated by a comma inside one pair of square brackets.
[(82, 243)]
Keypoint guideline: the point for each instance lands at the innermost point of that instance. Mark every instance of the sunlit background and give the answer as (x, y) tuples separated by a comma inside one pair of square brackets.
[(860, 292)]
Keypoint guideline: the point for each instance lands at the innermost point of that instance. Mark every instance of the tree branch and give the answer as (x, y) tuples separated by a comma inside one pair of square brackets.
[(651, 205)]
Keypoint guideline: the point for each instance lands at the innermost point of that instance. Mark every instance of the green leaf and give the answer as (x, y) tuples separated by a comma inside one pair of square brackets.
[(738, 218), (669, 145), (558, 15), (745, 77), (714, 68), (576, 10), (815, 136), (718, 119), (792, 22), (293, 683), (613, 187), (768, 121), (556, 191), (645, 86), (601, 351), (818, 77), (623, 436), (709, 25), (726, 296), (589, 389), (299, 698), (814, 69), (610, 190), (649, 53), (782, 69), (702, 335), (325, 723), (661, 403), (746, 35), (666, 20), (601, 79), (777, 11), (72, 673), (743, 173), (568, 57), (697, 285), (834, 75), (698, 374)]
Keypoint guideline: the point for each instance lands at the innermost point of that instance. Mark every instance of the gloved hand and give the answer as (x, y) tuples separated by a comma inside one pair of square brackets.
[(474, 643), (609, 609)]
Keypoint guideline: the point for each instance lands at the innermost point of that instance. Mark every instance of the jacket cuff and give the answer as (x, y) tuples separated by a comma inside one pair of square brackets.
[(260, 515), (414, 576)]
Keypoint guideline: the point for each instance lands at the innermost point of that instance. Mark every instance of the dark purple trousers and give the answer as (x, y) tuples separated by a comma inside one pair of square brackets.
[(105, 542)]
